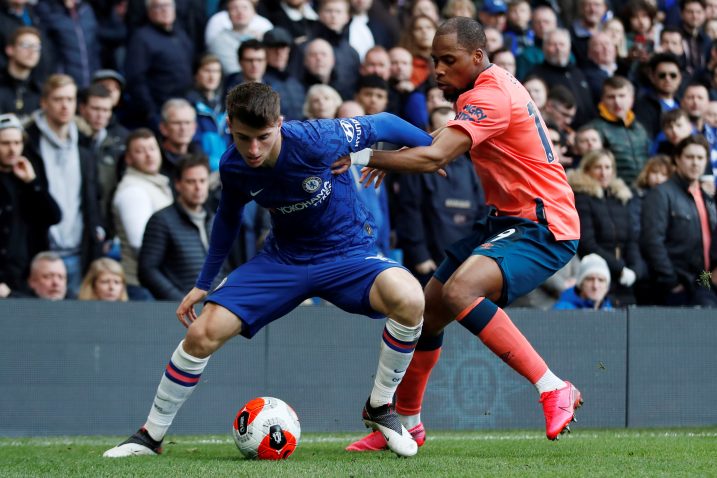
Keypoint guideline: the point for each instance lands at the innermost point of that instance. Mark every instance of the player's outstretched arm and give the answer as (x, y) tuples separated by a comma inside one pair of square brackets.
[(449, 144), (185, 311)]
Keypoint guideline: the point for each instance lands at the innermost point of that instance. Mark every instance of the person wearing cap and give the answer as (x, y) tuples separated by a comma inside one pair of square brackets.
[(27, 210), (113, 82), (19, 87), (492, 14), (590, 292), (278, 42)]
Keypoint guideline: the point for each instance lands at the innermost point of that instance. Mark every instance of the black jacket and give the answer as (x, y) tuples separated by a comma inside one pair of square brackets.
[(172, 253), (93, 232), (572, 78), (21, 97), (671, 237), (26, 213)]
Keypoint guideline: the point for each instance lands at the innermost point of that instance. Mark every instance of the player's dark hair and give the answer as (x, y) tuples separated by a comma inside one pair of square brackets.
[(190, 161), (371, 81), (253, 104), (469, 33), (697, 139)]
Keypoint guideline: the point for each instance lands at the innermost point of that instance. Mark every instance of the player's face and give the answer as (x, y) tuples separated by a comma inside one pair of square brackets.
[(108, 286), (10, 147), (258, 146), (456, 68)]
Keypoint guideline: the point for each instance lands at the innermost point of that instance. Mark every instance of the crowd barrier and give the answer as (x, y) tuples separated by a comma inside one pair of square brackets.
[(83, 368)]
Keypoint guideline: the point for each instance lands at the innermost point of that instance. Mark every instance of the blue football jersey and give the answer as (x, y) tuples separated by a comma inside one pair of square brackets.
[(315, 214)]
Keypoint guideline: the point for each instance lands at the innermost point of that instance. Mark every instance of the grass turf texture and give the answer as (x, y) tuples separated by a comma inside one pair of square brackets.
[(654, 452)]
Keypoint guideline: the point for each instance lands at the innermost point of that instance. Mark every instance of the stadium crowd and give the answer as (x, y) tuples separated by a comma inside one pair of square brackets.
[(112, 125)]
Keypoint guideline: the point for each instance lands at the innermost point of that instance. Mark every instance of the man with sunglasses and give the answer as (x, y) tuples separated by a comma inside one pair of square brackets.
[(665, 79)]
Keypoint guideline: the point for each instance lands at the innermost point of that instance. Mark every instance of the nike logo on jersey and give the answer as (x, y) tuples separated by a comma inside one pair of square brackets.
[(254, 193)]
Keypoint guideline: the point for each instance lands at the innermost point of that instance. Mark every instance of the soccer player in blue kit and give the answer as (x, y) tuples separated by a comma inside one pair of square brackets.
[(321, 245)]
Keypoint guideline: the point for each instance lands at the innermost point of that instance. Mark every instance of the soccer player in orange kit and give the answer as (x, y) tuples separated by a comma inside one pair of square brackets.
[(533, 230)]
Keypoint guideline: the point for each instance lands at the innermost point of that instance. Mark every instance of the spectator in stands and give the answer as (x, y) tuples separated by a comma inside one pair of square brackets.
[(601, 63), (320, 68), (376, 62), (621, 133), (431, 212), (518, 32), (695, 43), (459, 8), (176, 237), (369, 27), (349, 109), (436, 99), (557, 69), (678, 219), (671, 42), (191, 17), (296, 16), (70, 170), (322, 101), (656, 171), (225, 43), (676, 126), (27, 210), (542, 21), (113, 82), (19, 88), (695, 101), (591, 291), (493, 40), (587, 139), (221, 20), (178, 127), (372, 94), (590, 17), (207, 99), (640, 16), (560, 108), (538, 90), (141, 192), (616, 30), (106, 141), (71, 26), (428, 8), (417, 38), (505, 59), (48, 277), (159, 63), (252, 58), (278, 43), (603, 204), (15, 14), (492, 14), (105, 280), (405, 100), (665, 78)]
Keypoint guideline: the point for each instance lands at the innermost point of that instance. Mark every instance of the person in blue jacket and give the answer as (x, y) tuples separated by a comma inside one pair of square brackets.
[(593, 283)]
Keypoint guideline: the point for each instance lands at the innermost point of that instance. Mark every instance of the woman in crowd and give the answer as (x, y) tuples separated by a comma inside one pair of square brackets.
[(104, 280), (602, 199), (322, 102)]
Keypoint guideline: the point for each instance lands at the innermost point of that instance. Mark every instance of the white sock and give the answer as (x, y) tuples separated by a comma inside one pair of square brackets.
[(549, 382), (397, 346), (178, 382), (410, 421)]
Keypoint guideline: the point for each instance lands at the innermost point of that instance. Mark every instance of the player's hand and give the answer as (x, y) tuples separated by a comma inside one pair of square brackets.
[(341, 165), (185, 311), (426, 267), (4, 290), (369, 175), (23, 170)]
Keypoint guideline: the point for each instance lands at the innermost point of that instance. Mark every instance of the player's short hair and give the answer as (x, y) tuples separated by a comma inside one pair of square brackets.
[(190, 161), (93, 91), (697, 139), (469, 33), (671, 117), (20, 31), (55, 82), (139, 133), (616, 83), (371, 81), (253, 104)]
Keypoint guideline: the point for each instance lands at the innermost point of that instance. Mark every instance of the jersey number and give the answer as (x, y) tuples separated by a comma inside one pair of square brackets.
[(541, 132)]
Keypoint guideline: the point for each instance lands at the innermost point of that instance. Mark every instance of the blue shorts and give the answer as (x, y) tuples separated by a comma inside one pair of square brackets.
[(265, 288), (526, 252)]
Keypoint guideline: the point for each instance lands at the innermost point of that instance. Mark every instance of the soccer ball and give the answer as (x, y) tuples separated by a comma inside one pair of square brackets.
[(266, 428)]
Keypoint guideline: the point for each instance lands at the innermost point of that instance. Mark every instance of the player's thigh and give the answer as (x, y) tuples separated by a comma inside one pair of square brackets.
[(397, 293), (478, 276), (261, 291), (214, 326)]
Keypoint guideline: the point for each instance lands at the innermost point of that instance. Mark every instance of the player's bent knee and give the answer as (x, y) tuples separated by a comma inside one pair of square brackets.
[(409, 306), (197, 343)]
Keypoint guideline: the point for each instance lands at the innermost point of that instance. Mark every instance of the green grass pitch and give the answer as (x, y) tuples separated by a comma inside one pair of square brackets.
[(609, 453)]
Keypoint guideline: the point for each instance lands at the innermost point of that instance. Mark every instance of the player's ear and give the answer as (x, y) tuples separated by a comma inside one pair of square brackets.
[(478, 55)]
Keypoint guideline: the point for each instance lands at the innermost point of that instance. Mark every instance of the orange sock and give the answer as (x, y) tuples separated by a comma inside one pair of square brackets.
[(409, 395), (493, 326)]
